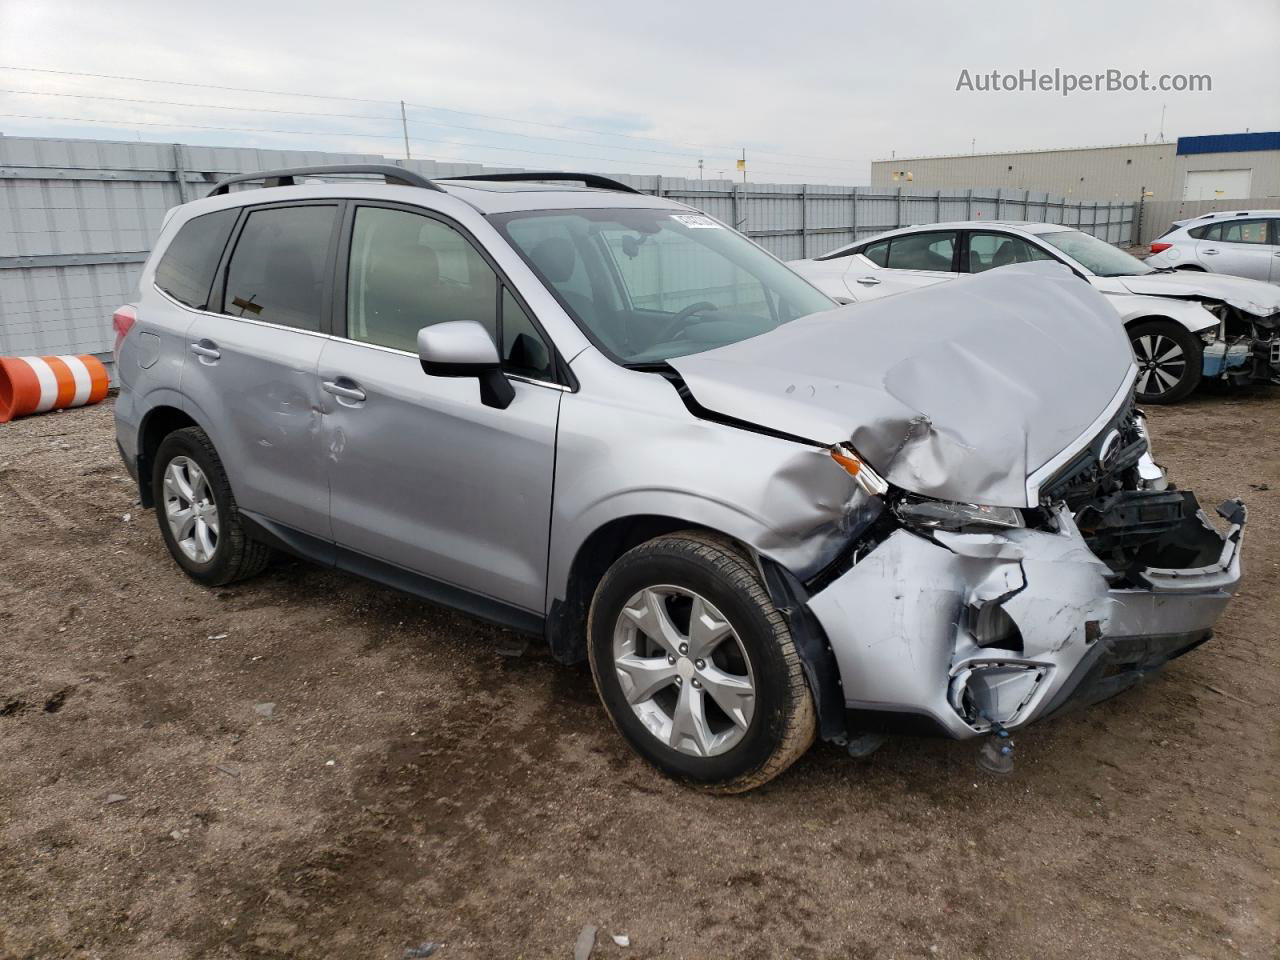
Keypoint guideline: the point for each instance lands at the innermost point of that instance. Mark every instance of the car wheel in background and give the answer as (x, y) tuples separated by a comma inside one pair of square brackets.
[(1169, 358), (696, 666), (197, 512)]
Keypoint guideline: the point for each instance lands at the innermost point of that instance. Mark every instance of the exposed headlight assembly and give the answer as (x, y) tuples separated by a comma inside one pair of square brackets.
[(870, 482), (943, 515)]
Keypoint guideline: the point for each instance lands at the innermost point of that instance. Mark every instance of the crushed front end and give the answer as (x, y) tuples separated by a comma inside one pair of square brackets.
[(1245, 347), (966, 619)]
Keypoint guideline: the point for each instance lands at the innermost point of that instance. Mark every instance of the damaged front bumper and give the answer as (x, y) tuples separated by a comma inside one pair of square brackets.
[(968, 631)]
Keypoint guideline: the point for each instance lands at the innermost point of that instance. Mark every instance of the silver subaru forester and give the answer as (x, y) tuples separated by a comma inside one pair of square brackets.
[(610, 420)]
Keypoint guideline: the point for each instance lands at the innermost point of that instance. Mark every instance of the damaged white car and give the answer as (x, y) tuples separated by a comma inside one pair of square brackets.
[(608, 420), (1184, 327)]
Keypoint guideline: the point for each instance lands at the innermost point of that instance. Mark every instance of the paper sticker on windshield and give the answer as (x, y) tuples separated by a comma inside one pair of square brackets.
[(695, 220)]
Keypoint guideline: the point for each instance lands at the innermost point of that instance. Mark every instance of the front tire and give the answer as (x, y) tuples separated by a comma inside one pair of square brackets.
[(1169, 358), (696, 666), (197, 512)]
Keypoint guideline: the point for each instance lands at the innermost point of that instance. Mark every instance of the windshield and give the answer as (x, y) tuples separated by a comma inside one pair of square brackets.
[(1096, 256), (649, 285)]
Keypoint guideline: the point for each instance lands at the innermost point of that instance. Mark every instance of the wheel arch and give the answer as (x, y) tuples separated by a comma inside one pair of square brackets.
[(566, 620), (158, 422), (567, 616)]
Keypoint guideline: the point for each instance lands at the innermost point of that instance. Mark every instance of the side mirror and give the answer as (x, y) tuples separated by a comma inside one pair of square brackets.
[(463, 348)]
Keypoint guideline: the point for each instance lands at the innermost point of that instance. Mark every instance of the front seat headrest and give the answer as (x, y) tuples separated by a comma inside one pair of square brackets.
[(555, 257)]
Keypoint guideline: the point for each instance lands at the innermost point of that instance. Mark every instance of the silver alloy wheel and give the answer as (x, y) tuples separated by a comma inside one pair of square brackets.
[(1161, 363), (190, 509), (688, 680)]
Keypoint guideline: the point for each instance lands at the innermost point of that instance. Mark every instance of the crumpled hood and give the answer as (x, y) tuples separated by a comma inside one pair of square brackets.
[(1251, 296), (957, 391)]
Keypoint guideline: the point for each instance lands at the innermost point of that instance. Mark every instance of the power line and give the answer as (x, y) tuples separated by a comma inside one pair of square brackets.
[(487, 116), (351, 116), (126, 124)]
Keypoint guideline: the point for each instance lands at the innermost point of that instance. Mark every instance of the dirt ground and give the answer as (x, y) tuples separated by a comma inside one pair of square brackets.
[(411, 785)]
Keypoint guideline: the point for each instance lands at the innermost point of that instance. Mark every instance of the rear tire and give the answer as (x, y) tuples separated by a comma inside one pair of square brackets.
[(1169, 357), (716, 698), (197, 512)]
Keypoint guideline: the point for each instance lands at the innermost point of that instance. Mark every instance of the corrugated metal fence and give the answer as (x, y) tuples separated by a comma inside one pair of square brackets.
[(77, 218)]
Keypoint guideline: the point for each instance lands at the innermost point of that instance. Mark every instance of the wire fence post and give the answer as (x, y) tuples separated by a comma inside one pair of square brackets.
[(968, 204), (404, 128)]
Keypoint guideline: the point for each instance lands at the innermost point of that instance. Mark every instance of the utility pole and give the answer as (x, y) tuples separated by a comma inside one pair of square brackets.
[(742, 164), (699, 168), (404, 128)]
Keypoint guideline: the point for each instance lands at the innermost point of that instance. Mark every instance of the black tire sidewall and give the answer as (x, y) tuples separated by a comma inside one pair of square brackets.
[(769, 670), (1191, 348), (182, 444)]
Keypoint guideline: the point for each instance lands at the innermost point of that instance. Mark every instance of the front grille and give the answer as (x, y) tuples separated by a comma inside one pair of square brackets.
[(1103, 466)]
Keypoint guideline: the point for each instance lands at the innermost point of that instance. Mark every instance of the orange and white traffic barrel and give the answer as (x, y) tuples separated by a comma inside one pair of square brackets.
[(36, 384)]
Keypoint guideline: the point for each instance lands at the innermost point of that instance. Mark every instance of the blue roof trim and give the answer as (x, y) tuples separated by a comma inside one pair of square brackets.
[(1229, 143)]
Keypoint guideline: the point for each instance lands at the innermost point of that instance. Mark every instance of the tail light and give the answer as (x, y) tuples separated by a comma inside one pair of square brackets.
[(1158, 247), (122, 322)]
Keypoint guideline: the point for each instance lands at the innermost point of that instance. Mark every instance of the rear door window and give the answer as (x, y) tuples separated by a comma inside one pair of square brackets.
[(922, 251), (877, 253), (277, 271), (990, 250), (1244, 231), (186, 269)]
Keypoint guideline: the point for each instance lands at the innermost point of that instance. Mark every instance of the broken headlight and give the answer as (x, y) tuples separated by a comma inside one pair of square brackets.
[(943, 515)]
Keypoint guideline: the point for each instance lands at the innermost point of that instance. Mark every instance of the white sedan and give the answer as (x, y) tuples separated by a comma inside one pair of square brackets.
[(1183, 326)]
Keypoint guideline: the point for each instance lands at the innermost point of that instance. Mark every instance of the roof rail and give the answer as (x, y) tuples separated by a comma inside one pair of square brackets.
[(285, 178), (586, 179)]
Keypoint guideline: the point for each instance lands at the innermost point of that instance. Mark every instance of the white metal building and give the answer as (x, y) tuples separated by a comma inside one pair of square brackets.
[(1234, 166)]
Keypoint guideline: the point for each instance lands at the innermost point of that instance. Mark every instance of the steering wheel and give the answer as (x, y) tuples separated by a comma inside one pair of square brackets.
[(702, 306)]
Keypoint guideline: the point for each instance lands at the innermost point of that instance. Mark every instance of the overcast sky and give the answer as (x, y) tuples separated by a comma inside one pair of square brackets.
[(812, 90)]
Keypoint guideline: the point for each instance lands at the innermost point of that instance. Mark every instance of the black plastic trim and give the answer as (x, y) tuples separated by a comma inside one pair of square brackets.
[(329, 554), (1116, 664), (816, 656), (285, 178), (586, 179)]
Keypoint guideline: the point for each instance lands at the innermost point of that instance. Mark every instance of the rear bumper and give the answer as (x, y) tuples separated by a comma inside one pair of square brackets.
[(905, 622)]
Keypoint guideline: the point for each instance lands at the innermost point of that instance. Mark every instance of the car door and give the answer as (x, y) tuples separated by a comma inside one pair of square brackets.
[(422, 475), (250, 376), (902, 262), (1240, 248)]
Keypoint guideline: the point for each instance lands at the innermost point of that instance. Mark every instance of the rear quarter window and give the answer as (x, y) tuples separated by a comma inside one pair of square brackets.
[(186, 269)]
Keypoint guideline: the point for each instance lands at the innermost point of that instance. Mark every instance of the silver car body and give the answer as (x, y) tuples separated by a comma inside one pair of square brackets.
[(1237, 318), (1239, 243), (352, 455)]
